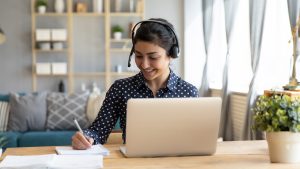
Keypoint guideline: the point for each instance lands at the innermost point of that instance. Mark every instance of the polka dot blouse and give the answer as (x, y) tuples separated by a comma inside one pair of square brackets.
[(115, 103)]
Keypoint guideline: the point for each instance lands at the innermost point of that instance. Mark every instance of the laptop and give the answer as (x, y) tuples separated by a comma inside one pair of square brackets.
[(172, 126)]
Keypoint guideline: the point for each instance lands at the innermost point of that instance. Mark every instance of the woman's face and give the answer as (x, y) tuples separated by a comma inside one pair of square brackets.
[(152, 60)]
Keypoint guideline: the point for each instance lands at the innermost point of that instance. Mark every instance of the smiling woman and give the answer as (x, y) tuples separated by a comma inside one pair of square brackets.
[(154, 45)]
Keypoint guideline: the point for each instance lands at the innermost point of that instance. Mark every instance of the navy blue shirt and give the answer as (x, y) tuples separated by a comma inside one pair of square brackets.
[(115, 103)]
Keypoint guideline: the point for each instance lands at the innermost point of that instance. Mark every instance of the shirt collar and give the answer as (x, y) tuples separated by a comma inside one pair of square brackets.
[(171, 83)]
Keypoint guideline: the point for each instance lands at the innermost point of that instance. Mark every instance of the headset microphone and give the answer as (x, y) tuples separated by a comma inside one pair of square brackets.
[(130, 55)]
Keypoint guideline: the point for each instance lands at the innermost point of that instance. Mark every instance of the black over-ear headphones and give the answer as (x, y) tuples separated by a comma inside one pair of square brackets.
[(174, 51)]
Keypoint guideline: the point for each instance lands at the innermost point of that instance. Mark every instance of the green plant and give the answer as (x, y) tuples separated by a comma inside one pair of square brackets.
[(41, 3), (117, 28), (277, 113)]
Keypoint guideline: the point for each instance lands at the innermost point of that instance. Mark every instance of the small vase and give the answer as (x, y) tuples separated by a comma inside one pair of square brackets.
[(118, 5), (284, 147), (98, 6), (59, 6), (131, 5)]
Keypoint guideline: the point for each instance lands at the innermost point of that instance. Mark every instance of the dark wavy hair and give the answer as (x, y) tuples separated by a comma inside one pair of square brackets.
[(156, 33)]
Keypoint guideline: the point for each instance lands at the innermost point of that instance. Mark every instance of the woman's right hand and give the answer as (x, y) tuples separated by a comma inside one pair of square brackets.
[(81, 142)]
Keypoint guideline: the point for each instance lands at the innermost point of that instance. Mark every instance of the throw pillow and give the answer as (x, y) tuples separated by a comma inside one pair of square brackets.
[(4, 112), (27, 112), (4, 97), (62, 109), (93, 106)]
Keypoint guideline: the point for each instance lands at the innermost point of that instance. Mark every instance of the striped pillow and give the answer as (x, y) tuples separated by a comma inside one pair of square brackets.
[(4, 112)]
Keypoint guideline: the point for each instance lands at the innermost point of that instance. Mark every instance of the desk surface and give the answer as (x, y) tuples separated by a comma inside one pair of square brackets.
[(229, 155)]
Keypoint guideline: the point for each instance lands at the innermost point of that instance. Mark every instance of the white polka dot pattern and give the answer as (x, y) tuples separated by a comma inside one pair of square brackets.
[(115, 103)]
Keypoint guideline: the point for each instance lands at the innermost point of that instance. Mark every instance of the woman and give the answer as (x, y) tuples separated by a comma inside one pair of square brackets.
[(154, 45)]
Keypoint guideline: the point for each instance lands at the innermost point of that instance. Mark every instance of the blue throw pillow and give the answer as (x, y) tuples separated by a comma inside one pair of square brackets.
[(4, 97)]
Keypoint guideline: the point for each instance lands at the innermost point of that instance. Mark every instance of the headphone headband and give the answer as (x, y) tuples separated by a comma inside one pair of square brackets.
[(175, 47)]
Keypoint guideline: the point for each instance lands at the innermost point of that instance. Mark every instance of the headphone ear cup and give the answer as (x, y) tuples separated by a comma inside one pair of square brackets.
[(174, 52)]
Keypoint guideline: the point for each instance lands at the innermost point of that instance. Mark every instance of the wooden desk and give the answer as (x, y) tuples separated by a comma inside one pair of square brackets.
[(229, 155)]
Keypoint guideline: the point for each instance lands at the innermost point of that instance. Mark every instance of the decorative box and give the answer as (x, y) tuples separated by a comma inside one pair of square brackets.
[(43, 68), (59, 68), (58, 34), (42, 35)]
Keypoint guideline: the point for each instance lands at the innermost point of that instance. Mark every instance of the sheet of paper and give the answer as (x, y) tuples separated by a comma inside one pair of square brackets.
[(31, 161), (53, 161), (76, 161), (95, 149)]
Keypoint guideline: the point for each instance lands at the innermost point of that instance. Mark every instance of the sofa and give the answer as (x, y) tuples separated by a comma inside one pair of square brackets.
[(46, 118)]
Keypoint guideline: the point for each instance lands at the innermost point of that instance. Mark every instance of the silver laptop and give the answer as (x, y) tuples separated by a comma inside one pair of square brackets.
[(172, 126)]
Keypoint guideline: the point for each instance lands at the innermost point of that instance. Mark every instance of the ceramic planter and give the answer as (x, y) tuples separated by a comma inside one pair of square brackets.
[(117, 35), (284, 147), (41, 9)]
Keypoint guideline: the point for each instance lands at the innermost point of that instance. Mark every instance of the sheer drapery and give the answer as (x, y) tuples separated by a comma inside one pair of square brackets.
[(208, 9), (254, 32), (257, 16), (194, 47)]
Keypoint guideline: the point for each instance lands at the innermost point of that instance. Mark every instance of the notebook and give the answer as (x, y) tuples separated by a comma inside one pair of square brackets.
[(172, 126), (94, 150)]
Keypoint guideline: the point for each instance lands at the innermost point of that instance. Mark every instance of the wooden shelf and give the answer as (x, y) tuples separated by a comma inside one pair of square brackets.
[(51, 14), (123, 73), (104, 21), (89, 74), (126, 14), (52, 75), (51, 50), (89, 14), (120, 50), (125, 40)]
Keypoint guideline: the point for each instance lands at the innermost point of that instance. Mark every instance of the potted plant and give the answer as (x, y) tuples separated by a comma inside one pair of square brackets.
[(41, 5), (117, 31), (279, 116)]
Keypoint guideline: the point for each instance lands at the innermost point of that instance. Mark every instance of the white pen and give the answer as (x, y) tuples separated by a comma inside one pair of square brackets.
[(77, 125)]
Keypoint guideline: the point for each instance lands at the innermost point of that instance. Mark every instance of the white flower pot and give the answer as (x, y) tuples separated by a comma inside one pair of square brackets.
[(117, 35), (59, 6), (284, 147), (41, 9)]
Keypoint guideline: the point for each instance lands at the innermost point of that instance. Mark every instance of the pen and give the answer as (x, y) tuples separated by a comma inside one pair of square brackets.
[(77, 125)]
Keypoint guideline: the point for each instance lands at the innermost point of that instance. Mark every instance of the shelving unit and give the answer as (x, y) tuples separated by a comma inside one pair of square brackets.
[(101, 67)]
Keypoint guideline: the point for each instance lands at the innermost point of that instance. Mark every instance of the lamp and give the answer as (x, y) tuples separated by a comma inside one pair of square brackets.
[(293, 84), (2, 36)]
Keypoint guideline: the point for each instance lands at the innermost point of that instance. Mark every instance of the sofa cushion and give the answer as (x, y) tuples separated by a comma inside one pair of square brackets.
[(46, 138), (4, 97), (4, 113), (93, 106), (10, 139), (62, 109), (27, 112)]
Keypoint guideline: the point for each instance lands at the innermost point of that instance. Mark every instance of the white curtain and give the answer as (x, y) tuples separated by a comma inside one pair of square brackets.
[(208, 9), (271, 53), (257, 16), (194, 45)]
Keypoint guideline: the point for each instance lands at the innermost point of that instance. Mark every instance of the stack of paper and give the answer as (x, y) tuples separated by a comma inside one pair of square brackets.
[(53, 161), (95, 149)]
